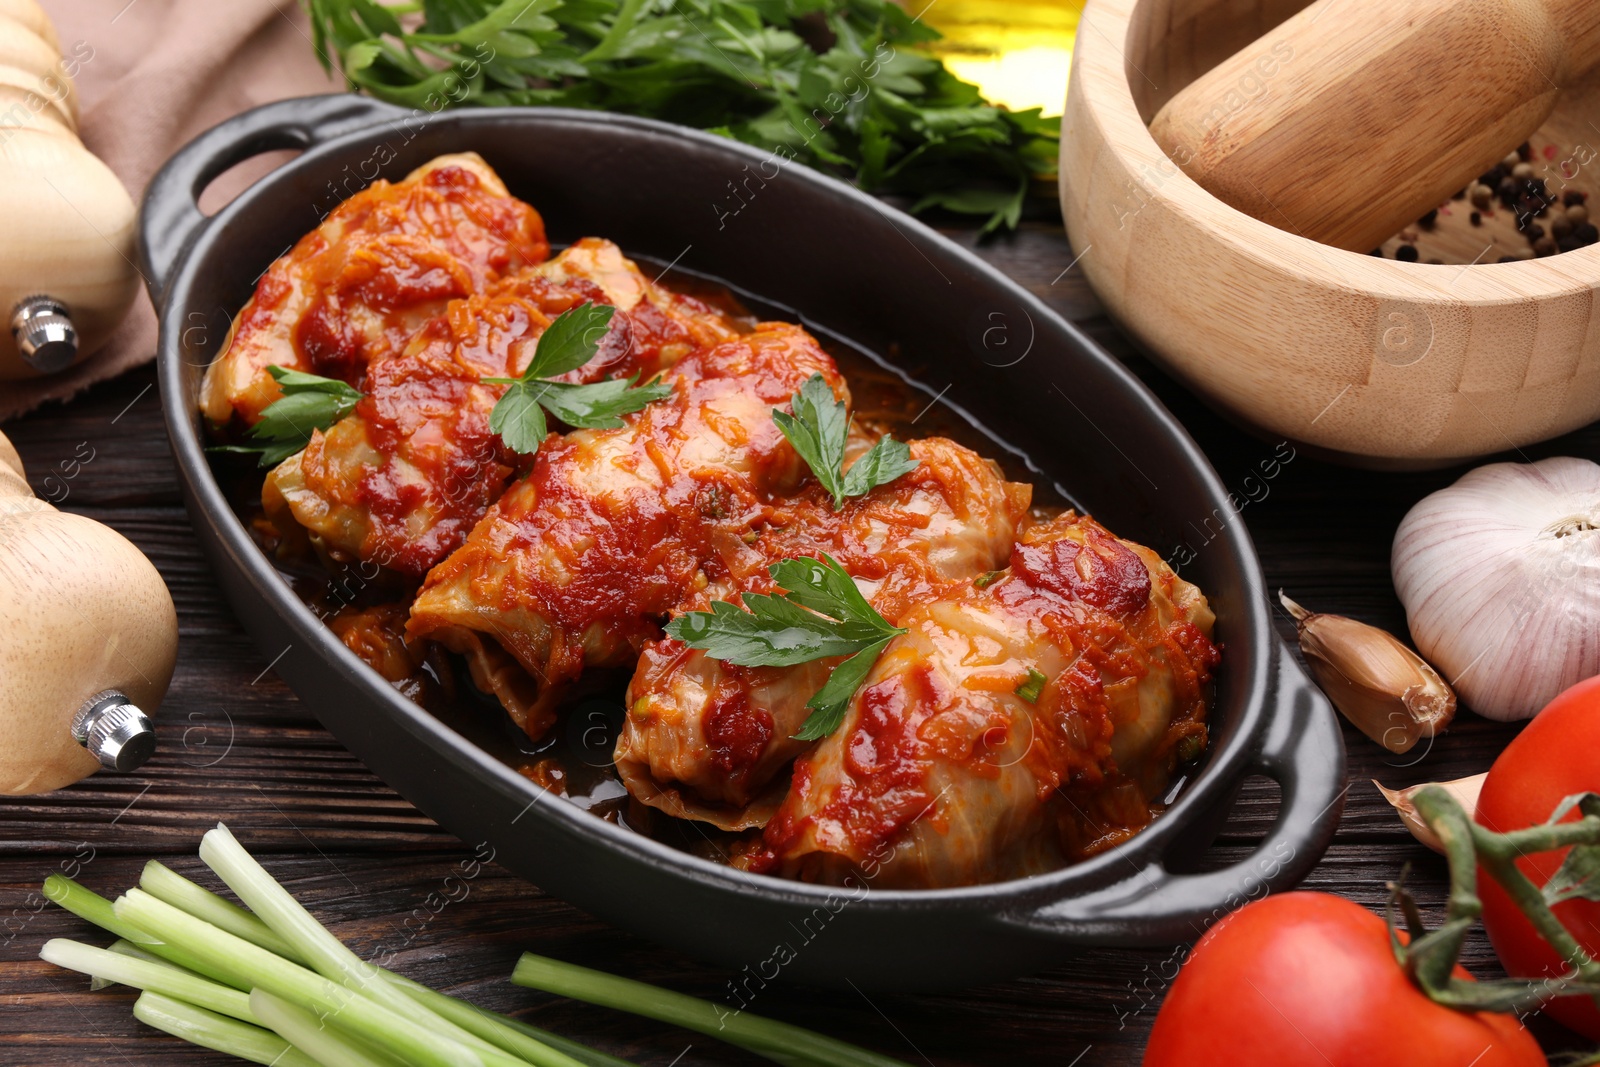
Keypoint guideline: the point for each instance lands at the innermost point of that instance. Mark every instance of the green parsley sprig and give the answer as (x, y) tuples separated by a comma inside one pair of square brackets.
[(310, 402), (821, 614), (837, 84), (819, 430), (570, 341)]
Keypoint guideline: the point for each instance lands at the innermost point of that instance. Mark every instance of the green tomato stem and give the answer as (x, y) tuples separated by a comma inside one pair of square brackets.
[(780, 1042), (1500, 861), (1431, 959)]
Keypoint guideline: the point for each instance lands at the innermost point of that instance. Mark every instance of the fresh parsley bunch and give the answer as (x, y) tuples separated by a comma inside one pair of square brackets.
[(821, 614), (837, 84)]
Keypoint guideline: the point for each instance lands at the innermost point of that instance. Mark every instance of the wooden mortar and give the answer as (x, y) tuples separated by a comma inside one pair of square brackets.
[(1378, 362)]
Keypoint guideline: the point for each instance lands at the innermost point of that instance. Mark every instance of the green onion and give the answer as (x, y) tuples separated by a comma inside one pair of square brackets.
[(389, 1030), (87, 904), (166, 884), (210, 970), (155, 976), (780, 1042), (517, 1038), (308, 1033), (218, 1032), (329, 956)]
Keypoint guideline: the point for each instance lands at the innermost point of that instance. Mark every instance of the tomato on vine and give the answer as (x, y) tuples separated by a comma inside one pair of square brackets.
[(1555, 757), (1311, 978)]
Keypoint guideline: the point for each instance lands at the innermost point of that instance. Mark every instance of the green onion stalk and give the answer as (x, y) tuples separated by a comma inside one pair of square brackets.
[(269, 984)]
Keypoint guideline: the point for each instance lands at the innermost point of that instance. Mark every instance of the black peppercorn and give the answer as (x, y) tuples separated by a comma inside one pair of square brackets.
[(1427, 221), (1572, 198), (1406, 254), (1477, 219)]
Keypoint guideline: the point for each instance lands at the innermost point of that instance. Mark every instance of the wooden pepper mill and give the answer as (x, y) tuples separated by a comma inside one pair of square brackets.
[(88, 638), (1361, 116), (67, 277)]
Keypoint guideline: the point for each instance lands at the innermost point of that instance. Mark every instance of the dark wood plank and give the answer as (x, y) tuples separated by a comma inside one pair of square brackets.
[(238, 746)]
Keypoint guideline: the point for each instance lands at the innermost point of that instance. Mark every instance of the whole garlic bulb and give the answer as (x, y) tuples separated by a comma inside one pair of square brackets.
[(1500, 577)]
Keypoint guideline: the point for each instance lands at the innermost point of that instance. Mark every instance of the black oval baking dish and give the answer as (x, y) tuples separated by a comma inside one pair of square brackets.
[(851, 267)]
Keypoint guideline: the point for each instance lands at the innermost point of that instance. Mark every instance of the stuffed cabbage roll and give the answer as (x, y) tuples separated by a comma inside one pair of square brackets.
[(403, 478), (1014, 728), (707, 740), (575, 565), (379, 266)]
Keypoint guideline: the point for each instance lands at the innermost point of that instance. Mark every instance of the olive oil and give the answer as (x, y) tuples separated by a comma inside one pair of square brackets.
[(1018, 52)]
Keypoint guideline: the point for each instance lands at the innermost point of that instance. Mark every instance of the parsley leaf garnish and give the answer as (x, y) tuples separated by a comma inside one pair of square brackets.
[(818, 430), (309, 402), (1032, 688), (570, 341), (821, 614)]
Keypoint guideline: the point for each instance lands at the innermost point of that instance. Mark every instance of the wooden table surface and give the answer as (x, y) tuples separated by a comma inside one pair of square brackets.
[(237, 745)]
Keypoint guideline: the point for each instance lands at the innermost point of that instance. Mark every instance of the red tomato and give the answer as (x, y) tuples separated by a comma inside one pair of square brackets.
[(1309, 978), (1556, 756)]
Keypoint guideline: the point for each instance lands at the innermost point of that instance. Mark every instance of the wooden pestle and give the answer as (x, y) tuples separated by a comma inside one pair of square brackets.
[(1357, 117)]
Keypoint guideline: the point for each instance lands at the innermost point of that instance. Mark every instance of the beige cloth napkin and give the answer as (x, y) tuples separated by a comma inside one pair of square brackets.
[(161, 72)]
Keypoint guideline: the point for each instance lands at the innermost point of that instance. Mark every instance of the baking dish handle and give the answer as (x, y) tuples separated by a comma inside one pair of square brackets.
[(170, 218), (1304, 752)]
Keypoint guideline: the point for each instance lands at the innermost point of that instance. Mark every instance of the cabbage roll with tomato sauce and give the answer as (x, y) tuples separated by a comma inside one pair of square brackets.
[(708, 740), (576, 564), (403, 478), (380, 266), (1015, 728)]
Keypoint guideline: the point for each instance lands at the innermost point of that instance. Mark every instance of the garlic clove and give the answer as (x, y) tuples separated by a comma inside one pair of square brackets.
[(1385, 689), (1465, 790)]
